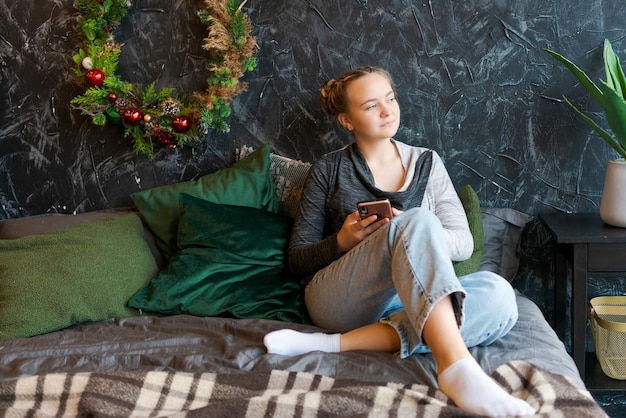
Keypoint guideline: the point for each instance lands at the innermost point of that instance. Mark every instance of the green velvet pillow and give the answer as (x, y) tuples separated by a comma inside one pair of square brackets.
[(231, 262), (471, 204), (248, 182), (78, 274)]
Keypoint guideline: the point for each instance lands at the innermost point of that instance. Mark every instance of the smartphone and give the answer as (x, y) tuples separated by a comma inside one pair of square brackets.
[(380, 208)]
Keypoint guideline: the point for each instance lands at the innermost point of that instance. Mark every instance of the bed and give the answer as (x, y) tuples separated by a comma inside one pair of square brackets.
[(90, 325)]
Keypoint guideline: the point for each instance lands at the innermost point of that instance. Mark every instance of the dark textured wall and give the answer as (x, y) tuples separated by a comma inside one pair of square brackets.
[(473, 83)]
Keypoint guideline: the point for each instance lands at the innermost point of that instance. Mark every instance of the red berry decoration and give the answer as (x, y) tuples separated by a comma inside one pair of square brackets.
[(112, 97), (166, 138), (181, 124), (94, 77), (132, 116)]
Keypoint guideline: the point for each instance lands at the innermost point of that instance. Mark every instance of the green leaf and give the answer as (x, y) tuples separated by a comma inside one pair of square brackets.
[(601, 131), (89, 33), (596, 93), (113, 116), (100, 119), (249, 63), (615, 110), (614, 73), (77, 59)]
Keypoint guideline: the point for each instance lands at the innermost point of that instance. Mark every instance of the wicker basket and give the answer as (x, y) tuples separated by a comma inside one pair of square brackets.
[(608, 326)]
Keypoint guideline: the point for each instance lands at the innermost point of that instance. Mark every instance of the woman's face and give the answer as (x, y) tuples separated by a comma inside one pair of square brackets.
[(372, 110)]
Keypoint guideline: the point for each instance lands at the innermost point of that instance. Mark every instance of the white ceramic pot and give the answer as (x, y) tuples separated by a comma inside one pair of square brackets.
[(613, 203)]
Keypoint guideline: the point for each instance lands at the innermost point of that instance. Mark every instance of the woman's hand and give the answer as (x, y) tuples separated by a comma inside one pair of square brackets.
[(396, 212), (355, 229)]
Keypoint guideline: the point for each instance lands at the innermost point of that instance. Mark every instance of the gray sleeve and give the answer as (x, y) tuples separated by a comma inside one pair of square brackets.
[(309, 251)]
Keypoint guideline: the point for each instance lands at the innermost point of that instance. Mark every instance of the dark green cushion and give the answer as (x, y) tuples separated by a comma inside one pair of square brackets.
[(248, 182), (81, 273), (231, 262), (471, 204)]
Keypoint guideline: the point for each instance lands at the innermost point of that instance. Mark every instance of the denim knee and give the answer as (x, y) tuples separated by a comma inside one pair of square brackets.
[(490, 308)]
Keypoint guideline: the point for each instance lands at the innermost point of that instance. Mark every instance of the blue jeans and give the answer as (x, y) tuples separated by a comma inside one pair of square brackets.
[(396, 276)]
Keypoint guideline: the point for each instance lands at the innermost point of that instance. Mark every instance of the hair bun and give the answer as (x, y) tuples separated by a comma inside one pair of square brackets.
[(326, 97), (327, 87)]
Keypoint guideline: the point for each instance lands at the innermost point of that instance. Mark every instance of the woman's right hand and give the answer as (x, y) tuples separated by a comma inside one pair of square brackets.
[(355, 230)]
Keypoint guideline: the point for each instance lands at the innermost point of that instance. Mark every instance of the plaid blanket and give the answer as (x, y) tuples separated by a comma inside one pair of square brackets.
[(276, 393)]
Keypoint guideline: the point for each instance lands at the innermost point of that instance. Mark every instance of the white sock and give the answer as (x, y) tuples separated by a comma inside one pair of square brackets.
[(290, 343), (474, 391)]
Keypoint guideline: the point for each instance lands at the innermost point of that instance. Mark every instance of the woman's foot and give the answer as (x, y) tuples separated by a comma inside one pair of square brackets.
[(291, 343), (474, 391)]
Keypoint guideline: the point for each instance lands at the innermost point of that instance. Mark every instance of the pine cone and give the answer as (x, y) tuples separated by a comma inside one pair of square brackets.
[(121, 104), (150, 125), (203, 129), (170, 107)]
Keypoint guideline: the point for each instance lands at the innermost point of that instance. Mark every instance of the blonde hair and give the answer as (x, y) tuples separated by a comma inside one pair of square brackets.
[(333, 97)]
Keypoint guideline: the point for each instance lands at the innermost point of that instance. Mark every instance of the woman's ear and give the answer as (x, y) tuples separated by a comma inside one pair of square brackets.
[(345, 121)]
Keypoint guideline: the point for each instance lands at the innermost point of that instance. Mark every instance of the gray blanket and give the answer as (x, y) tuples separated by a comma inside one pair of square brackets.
[(275, 393)]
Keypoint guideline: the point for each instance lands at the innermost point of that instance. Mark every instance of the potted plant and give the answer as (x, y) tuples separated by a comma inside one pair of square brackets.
[(611, 96)]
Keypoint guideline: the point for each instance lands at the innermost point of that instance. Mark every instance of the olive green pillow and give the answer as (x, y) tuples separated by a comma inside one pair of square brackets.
[(78, 274), (471, 204), (248, 182), (231, 262)]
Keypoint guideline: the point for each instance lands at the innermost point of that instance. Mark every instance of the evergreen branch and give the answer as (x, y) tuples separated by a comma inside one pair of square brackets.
[(238, 29), (232, 6)]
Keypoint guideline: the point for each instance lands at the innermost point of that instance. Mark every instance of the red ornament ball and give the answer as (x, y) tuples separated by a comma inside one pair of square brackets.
[(132, 116), (112, 97), (94, 77), (181, 124)]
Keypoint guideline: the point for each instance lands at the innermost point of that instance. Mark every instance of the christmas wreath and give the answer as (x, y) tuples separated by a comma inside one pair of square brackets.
[(152, 117)]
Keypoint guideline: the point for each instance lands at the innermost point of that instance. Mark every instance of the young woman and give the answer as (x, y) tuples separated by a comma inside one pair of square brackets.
[(389, 284)]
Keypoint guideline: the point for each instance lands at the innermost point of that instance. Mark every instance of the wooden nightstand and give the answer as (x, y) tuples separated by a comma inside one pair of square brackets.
[(589, 246)]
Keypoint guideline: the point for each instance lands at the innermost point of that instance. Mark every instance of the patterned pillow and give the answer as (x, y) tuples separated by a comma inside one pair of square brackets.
[(289, 176)]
